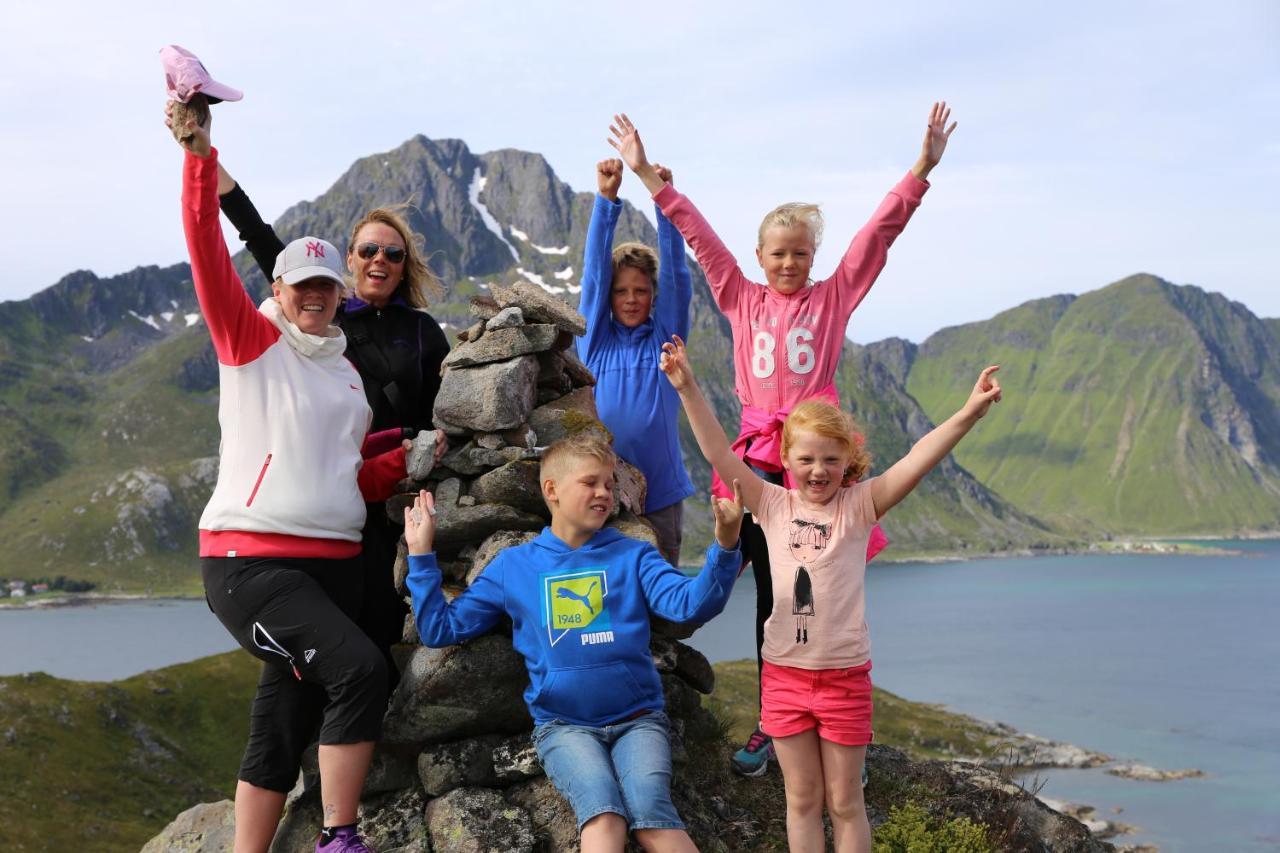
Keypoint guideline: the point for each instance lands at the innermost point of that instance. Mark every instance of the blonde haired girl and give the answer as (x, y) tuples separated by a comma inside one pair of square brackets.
[(788, 334), (816, 684)]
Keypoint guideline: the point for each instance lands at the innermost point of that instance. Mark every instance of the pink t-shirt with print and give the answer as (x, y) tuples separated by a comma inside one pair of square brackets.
[(818, 562)]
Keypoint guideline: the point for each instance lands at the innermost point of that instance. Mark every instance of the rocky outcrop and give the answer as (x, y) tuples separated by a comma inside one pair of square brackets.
[(1143, 773), (203, 828), (1014, 819), (478, 820)]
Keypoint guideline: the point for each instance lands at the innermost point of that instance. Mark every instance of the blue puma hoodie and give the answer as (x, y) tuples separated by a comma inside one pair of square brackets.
[(580, 617)]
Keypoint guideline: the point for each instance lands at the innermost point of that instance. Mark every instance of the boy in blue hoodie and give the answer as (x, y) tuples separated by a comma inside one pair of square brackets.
[(634, 301), (579, 597)]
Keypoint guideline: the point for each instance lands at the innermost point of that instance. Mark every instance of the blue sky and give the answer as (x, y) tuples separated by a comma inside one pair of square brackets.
[(1095, 141)]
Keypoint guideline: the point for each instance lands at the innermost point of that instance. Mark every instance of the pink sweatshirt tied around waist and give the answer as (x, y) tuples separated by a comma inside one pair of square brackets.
[(759, 443)]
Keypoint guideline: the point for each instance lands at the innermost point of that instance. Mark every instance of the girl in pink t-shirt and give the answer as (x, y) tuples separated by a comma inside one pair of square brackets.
[(816, 686), (788, 333)]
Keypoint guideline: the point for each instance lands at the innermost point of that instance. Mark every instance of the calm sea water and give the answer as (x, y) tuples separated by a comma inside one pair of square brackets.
[(108, 641), (1169, 661)]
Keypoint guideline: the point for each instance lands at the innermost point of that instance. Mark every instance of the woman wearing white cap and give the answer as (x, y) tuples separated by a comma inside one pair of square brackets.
[(280, 537), (397, 347)]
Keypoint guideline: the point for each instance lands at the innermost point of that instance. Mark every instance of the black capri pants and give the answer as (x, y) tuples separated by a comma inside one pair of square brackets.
[(297, 615)]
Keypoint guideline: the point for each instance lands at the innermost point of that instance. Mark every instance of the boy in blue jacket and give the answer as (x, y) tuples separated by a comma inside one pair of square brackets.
[(634, 301), (579, 597)]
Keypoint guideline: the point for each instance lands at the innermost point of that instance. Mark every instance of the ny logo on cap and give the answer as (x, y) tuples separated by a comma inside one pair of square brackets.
[(315, 247)]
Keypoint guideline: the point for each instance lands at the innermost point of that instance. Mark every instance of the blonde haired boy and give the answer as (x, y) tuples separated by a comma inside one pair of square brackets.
[(579, 597)]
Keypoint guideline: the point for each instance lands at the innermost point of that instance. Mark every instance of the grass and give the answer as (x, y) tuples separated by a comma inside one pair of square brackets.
[(105, 766)]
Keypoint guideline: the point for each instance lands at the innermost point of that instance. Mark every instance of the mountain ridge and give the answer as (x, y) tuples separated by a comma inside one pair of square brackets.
[(1155, 406), (110, 383)]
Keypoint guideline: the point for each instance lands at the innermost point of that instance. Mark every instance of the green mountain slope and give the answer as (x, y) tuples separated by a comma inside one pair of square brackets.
[(1141, 407), (108, 390), (104, 766), (950, 511)]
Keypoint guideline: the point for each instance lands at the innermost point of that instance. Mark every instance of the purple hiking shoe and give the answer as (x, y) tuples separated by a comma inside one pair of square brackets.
[(345, 841)]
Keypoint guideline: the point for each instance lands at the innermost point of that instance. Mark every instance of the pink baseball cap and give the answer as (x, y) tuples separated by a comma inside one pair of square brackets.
[(185, 75)]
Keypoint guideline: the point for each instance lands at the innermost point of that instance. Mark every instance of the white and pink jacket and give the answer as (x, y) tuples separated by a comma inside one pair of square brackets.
[(291, 478)]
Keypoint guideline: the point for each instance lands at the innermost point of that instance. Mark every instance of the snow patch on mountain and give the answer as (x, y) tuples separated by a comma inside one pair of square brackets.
[(473, 193)]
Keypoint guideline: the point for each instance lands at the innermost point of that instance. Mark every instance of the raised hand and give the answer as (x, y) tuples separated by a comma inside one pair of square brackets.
[(420, 524), (985, 392), (626, 140), (609, 178), (674, 362), (936, 136), (728, 515), (190, 124)]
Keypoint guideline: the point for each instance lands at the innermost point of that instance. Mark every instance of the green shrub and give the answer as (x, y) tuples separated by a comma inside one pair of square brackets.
[(909, 829)]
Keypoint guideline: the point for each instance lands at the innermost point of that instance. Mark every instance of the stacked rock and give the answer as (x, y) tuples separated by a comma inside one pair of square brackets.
[(512, 386), (456, 769)]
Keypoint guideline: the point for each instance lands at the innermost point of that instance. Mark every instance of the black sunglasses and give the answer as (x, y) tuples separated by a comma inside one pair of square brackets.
[(369, 251)]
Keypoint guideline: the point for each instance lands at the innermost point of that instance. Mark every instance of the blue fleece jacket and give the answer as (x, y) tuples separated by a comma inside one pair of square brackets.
[(634, 400), (580, 617)]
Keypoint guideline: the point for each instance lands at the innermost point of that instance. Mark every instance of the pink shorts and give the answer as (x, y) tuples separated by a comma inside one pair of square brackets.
[(836, 702)]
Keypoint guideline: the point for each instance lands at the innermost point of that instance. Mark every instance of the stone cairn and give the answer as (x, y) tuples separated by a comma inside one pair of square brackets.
[(455, 770)]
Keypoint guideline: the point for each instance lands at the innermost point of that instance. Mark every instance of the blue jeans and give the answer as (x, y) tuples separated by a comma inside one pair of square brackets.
[(624, 768)]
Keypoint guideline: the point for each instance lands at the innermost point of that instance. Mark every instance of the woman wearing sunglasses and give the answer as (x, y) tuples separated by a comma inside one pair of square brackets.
[(396, 346)]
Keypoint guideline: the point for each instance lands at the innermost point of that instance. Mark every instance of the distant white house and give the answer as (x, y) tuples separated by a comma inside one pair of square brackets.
[(18, 593), (17, 584)]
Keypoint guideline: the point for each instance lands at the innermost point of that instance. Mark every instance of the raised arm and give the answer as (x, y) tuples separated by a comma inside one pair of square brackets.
[(721, 267), (258, 237), (712, 441), (674, 596), (597, 258), (626, 139), (903, 476), (869, 250), (240, 333), (440, 622), (936, 136), (675, 284)]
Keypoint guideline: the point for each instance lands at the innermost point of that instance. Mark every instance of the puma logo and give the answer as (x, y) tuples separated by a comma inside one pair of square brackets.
[(584, 600)]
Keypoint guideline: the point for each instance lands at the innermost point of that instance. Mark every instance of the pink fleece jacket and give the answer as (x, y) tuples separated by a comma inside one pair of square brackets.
[(786, 347)]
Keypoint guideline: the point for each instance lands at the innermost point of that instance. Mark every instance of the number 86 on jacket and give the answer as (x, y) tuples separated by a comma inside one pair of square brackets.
[(800, 356)]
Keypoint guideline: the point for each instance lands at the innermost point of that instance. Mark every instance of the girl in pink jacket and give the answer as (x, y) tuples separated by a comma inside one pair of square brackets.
[(788, 333)]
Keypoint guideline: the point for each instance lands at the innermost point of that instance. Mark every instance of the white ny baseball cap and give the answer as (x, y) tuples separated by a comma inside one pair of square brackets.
[(308, 257)]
